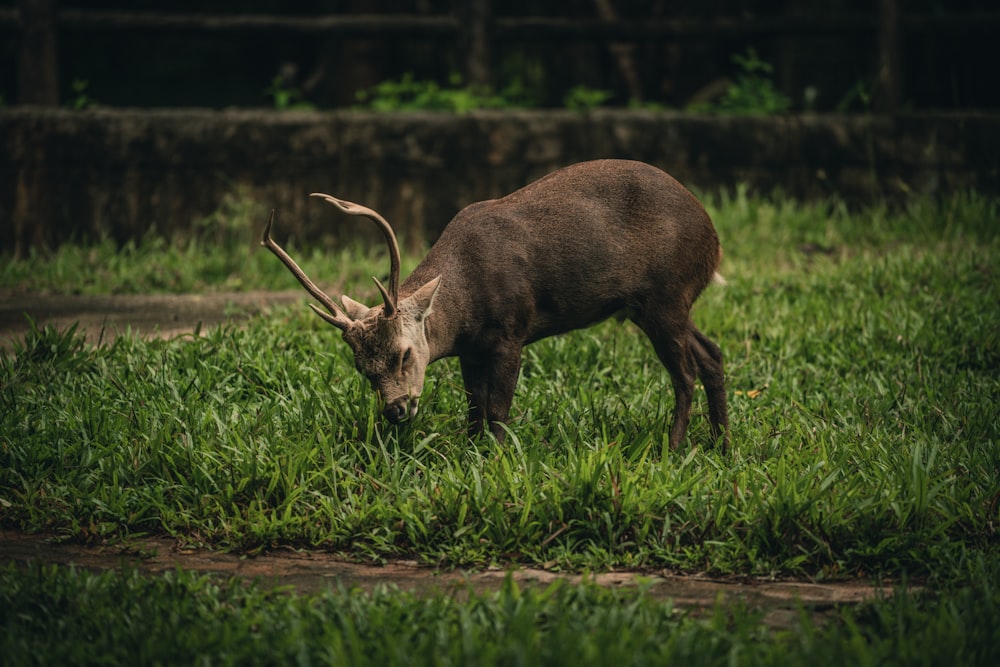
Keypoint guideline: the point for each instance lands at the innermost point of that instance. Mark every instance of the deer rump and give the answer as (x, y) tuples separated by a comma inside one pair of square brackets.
[(567, 251)]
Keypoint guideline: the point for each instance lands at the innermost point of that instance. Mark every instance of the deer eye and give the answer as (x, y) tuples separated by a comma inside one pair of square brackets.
[(406, 357)]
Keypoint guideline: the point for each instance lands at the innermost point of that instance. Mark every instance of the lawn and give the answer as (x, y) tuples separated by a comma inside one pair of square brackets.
[(862, 350)]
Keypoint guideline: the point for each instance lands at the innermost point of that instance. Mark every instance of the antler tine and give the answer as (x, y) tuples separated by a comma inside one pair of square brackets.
[(336, 316), (391, 295)]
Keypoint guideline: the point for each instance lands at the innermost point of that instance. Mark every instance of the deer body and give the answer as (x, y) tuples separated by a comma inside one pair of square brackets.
[(567, 251)]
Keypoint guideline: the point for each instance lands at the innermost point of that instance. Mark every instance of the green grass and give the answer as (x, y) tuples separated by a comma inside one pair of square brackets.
[(221, 253), (58, 615), (861, 348), (862, 351)]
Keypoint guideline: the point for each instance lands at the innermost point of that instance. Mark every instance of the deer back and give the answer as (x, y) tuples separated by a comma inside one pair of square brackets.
[(568, 250)]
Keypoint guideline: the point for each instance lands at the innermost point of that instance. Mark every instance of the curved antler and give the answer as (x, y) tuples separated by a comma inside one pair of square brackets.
[(391, 295), (337, 317)]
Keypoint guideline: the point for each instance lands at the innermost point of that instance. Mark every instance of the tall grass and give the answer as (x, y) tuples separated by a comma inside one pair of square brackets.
[(862, 353)]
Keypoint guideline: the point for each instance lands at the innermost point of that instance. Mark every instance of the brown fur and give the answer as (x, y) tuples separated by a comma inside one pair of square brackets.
[(562, 253)]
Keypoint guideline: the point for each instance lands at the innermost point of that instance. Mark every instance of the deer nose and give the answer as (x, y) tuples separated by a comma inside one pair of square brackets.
[(396, 411)]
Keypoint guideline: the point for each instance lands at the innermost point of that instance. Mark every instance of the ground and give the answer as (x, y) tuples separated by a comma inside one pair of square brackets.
[(309, 571), (101, 318), (105, 316)]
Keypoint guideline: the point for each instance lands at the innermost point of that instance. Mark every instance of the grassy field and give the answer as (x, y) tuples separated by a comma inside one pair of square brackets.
[(62, 616), (863, 365)]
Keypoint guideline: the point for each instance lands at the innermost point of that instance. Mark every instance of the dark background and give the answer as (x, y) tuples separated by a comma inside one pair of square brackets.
[(946, 53)]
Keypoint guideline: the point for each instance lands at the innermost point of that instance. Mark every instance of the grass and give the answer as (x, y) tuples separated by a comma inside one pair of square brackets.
[(221, 253), (63, 616), (862, 352)]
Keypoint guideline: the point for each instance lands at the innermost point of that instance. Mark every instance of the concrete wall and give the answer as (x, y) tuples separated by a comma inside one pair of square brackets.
[(72, 174)]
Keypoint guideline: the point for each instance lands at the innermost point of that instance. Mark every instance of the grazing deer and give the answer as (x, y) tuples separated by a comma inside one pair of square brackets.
[(571, 249)]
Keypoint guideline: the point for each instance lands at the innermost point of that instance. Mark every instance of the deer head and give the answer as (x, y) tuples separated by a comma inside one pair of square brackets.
[(389, 341)]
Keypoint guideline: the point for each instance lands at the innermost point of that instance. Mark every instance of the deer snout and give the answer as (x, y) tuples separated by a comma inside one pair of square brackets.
[(400, 410)]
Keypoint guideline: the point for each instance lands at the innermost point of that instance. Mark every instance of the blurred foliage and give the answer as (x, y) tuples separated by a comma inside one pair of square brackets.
[(817, 70), (582, 98), (287, 98), (752, 91), (409, 94), (81, 99)]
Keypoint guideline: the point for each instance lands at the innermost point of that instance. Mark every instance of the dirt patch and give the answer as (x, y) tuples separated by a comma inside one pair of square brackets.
[(310, 571), (103, 317)]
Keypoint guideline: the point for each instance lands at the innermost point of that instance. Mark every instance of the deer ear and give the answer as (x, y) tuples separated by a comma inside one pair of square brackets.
[(354, 310), (424, 297)]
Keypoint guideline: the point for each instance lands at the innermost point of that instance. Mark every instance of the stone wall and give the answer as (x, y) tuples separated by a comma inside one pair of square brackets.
[(72, 174)]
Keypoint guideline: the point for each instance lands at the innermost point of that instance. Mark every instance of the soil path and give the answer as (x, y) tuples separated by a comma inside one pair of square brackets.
[(310, 571), (103, 317), (100, 318)]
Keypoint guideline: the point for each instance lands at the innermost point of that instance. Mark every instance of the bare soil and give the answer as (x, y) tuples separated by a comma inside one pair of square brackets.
[(312, 571), (101, 318)]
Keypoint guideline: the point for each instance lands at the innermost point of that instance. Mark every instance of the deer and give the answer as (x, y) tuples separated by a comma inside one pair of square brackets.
[(579, 245)]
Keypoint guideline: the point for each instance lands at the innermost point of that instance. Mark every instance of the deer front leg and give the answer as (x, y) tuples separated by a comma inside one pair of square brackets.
[(477, 391), (489, 386)]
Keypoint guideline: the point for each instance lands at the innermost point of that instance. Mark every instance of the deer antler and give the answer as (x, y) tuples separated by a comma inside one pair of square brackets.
[(337, 317), (390, 296)]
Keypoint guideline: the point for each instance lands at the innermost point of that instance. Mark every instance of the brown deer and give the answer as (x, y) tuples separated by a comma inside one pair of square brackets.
[(571, 249)]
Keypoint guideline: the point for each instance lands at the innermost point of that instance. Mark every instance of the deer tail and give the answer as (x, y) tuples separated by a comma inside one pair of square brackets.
[(717, 277)]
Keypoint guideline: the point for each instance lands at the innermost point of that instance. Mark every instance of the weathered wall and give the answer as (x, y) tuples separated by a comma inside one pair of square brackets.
[(117, 172)]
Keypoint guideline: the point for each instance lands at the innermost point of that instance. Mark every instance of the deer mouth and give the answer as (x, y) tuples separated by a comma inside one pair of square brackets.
[(400, 410)]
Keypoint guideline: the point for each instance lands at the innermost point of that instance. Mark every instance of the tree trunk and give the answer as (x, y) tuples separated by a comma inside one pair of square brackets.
[(888, 78), (37, 61), (475, 28)]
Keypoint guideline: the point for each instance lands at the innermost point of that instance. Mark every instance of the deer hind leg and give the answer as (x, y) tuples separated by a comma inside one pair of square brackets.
[(489, 386), (710, 370), (673, 344)]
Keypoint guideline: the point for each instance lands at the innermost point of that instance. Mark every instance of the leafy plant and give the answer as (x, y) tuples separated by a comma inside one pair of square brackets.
[(82, 99), (525, 80), (752, 92), (409, 94), (286, 97), (860, 95), (584, 98)]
